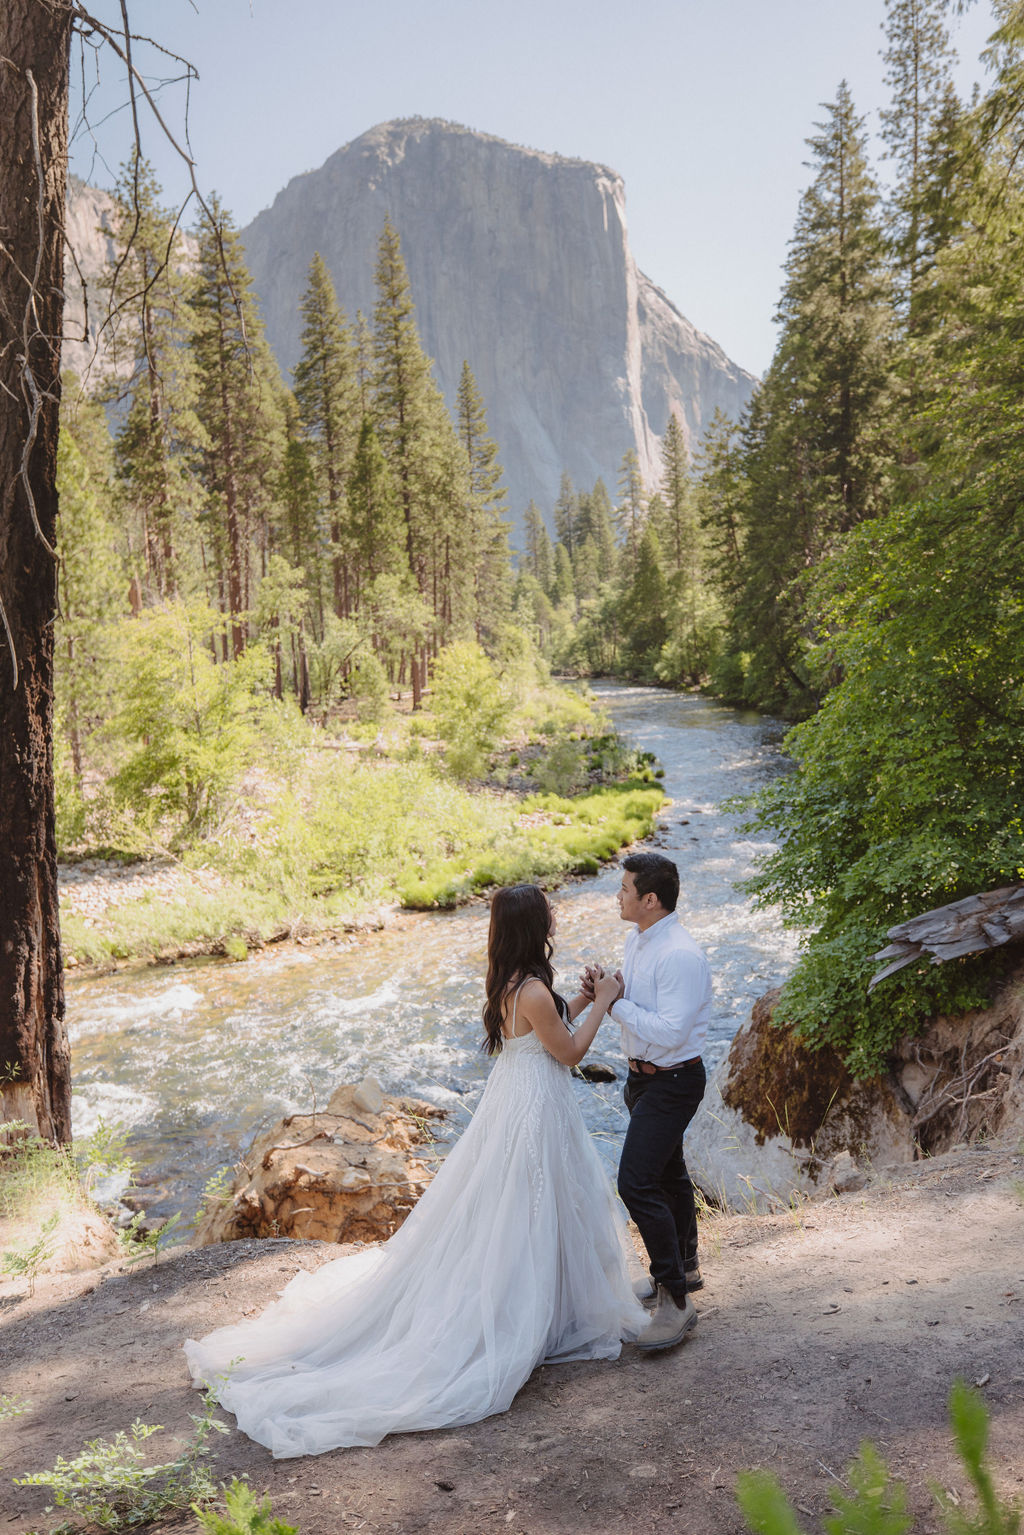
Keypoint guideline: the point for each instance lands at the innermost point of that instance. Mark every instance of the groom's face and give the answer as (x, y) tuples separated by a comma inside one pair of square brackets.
[(631, 905)]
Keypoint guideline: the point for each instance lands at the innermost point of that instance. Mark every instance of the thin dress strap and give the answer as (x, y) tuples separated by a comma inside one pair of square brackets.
[(515, 1000)]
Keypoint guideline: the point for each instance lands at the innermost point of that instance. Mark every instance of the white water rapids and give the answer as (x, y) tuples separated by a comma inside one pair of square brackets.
[(196, 1058)]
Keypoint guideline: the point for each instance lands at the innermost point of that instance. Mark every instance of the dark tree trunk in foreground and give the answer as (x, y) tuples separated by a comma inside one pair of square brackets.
[(34, 1060)]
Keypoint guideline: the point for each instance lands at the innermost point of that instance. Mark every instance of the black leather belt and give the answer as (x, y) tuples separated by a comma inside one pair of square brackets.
[(648, 1068)]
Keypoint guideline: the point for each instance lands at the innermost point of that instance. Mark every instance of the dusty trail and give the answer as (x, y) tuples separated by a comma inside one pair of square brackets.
[(846, 1320)]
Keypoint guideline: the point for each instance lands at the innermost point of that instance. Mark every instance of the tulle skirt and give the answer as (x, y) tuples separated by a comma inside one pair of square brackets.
[(516, 1253)]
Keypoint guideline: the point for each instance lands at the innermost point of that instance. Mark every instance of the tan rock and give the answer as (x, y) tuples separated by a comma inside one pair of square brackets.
[(369, 1096), (345, 1174)]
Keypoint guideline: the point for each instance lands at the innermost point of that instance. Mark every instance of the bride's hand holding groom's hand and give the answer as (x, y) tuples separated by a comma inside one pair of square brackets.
[(607, 989)]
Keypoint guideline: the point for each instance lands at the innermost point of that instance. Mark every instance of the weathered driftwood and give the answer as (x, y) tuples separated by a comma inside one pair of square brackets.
[(967, 926)]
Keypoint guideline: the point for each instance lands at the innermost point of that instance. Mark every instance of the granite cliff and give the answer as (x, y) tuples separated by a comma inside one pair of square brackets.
[(519, 262)]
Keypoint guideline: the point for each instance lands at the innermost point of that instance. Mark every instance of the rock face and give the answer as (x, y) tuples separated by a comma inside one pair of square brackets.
[(350, 1174), (780, 1122), (89, 217), (520, 264)]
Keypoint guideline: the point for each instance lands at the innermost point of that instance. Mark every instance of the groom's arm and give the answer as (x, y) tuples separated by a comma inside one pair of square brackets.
[(680, 988)]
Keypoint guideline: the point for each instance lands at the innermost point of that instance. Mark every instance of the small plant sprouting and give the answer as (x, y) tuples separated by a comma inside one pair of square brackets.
[(108, 1485), (245, 1515), (12, 1406), (137, 1244), (216, 1192), (25, 1262), (876, 1505)]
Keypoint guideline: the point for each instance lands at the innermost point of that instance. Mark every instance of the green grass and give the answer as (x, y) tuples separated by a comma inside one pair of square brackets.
[(561, 836), (315, 836)]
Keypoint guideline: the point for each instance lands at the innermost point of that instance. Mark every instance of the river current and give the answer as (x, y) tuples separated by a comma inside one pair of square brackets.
[(193, 1060)]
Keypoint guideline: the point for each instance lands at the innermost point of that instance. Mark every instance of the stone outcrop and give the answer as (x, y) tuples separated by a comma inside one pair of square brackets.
[(520, 264), (350, 1173), (780, 1122)]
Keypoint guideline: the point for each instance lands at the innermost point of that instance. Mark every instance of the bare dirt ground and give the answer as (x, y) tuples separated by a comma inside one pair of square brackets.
[(843, 1321)]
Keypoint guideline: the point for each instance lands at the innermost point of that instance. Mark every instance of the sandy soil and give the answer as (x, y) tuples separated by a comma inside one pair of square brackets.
[(845, 1320)]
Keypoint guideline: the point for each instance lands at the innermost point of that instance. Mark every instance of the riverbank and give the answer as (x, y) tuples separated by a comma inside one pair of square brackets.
[(162, 909), (843, 1319)]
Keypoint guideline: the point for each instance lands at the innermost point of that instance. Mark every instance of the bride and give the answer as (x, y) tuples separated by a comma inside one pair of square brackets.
[(514, 1255)]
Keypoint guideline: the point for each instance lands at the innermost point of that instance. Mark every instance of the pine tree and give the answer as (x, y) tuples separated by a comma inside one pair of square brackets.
[(629, 514), (678, 530), (403, 394), (919, 60), (327, 392), (644, 605), (602, 529), (563, 592), (376, 528), (720, 506), (492, 560), (567, 512), (152, 375), (835, 351), (240, 401), (540, 555)]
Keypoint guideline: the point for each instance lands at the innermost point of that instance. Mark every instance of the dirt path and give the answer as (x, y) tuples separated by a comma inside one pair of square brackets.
[(846, 1320)]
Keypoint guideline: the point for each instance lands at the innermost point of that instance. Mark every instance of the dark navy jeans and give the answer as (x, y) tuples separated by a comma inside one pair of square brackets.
[(653, 1181)]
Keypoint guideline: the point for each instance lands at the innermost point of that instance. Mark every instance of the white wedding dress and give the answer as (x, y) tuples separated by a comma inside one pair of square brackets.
[(515, 1254)]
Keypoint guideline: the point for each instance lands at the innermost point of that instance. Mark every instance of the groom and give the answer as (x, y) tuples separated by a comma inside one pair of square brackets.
[(663, 1009)]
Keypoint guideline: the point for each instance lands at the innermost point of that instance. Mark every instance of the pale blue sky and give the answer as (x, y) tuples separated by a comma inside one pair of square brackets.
[(702, 106)]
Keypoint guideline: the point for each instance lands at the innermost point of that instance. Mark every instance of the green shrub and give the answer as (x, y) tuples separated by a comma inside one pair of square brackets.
[(108, 1484), (369, 684), (469, 705), (188, 725)]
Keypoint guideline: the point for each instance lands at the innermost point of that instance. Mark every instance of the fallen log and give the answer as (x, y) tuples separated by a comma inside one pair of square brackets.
[(968, 926)]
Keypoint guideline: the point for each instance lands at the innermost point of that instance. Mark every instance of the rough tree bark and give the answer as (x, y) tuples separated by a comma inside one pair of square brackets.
[(35, 36)]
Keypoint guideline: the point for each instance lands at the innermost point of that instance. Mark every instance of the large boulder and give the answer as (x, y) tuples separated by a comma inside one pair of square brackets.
[(350, 1173)]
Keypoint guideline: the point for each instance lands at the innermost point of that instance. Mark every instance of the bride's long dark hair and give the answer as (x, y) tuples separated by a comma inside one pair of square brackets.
[(518, 945)]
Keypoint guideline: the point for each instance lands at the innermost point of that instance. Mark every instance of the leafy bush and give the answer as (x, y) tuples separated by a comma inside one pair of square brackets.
[(907, 788), (109, 1486), (244, 1514), (189, 724), (469, 704), (369, 684)]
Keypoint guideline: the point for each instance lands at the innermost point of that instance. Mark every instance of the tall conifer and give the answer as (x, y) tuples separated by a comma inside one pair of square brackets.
[(240, 400), (327, 392)]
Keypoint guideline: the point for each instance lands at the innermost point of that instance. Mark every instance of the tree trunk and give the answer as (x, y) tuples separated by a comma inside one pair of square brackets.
[(35, 1079)]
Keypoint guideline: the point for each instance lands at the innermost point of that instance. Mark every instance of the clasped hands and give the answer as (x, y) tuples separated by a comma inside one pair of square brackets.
[(600, 985)]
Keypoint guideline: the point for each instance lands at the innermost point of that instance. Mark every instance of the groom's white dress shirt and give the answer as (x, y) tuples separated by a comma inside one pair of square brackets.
[(666, 1009)]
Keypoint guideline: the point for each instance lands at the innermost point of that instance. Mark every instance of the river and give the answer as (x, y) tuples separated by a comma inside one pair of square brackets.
[(193, 1059)]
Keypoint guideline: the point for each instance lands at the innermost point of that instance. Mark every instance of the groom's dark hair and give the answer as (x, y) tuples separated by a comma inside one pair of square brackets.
[(654, 874)]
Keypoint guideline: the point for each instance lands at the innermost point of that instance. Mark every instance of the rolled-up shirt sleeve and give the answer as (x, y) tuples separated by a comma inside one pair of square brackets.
[(682, 980)]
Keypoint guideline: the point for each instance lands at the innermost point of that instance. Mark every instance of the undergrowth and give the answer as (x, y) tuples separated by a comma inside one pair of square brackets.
[(877, 1505), (340, 822), (109, 1485)]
